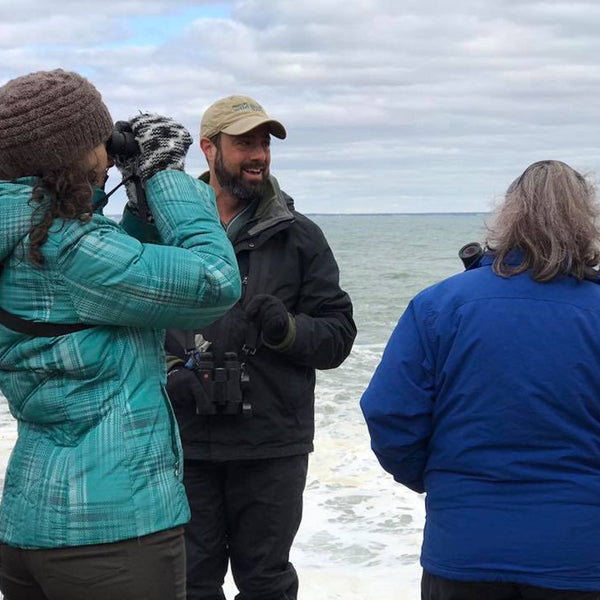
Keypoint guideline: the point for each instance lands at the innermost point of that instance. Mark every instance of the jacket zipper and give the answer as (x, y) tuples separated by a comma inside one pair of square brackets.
[(244, 286)]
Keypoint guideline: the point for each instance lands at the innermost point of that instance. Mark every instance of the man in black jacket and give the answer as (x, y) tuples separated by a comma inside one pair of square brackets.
[(245, 400)]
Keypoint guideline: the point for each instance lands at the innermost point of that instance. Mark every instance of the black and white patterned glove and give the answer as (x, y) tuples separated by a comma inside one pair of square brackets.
[(163, 144)]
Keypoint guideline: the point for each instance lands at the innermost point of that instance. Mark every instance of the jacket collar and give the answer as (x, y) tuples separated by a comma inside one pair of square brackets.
[(99, 199), (513, 258), (273, 208)]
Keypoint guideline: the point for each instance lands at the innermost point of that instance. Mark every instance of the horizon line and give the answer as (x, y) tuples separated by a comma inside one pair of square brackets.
[(383, 214), (376, 214)]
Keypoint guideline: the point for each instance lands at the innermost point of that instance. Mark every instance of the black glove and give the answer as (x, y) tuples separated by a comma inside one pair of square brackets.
[(185, 391), (271, 316)]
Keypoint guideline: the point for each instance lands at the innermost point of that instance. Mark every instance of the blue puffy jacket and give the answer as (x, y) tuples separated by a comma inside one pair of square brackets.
[(488, 399)]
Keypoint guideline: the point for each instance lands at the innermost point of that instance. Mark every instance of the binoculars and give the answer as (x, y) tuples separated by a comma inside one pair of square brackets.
[(223, 386), (470, 254), (122, 143)]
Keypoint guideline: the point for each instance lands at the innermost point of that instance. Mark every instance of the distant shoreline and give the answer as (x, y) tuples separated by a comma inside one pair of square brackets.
[(400, 214), (380, 214)]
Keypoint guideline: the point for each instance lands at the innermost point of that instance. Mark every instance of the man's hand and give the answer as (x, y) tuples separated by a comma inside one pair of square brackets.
[(271, 316)]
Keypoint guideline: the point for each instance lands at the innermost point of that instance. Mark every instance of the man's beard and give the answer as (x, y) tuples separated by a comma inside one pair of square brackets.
[(236, 186)]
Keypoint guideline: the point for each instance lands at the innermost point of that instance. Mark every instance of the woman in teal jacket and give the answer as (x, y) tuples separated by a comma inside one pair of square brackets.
[(93, 500)]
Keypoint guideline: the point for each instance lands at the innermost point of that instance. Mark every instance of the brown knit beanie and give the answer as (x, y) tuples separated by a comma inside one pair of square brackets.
[(49, 119)]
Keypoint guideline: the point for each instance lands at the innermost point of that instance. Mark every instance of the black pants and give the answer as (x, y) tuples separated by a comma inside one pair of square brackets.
[(246, 512), (151, 567), (438, 588)]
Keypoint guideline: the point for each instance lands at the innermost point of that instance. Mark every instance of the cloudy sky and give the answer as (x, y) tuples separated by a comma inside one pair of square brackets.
[(390, 105)]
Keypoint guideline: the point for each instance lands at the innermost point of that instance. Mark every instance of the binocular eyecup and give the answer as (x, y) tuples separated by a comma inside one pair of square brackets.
[(122, 142), (470, 254)]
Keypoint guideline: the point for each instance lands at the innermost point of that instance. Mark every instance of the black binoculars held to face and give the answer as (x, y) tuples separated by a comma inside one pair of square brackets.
[(122, 143)]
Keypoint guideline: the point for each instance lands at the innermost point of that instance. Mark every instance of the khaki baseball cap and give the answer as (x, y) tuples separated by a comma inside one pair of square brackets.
[(236, 115)]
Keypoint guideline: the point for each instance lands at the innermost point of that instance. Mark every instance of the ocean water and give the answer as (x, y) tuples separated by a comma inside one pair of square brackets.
[(361, 532)]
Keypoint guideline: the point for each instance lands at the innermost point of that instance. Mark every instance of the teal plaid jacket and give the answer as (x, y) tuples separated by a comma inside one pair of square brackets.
[(98, 457)]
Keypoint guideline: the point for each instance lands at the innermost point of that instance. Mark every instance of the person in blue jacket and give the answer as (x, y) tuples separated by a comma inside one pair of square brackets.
[(487, 398)]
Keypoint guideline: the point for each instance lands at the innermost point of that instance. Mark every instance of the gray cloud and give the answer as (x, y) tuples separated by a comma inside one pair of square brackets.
[(390, 106)]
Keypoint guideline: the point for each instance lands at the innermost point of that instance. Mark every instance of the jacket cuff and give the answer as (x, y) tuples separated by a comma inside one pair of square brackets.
[(289, 339), (173, 361)]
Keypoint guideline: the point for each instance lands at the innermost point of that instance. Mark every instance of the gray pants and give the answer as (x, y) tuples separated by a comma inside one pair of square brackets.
[(151, 567)]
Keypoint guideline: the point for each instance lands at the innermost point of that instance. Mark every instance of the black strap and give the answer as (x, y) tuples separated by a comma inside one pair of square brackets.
[(36, 328), (252, 340)]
